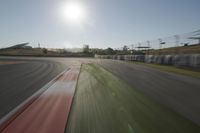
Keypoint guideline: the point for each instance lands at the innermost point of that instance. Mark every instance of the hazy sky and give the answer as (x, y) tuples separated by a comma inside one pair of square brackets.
[(107, 23)]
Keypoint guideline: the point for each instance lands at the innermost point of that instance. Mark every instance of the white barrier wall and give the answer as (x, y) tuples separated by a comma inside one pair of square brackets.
[(188, 60)]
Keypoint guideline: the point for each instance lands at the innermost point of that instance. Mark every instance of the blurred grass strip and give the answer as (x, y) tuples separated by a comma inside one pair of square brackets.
[(192, 72), (103, 103)]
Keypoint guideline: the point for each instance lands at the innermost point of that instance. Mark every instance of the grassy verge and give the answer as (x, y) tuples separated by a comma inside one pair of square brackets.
[(173, 69), (104, 103)]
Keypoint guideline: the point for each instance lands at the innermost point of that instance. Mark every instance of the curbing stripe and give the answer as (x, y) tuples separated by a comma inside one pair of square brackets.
[(6, 120), (49, 112)]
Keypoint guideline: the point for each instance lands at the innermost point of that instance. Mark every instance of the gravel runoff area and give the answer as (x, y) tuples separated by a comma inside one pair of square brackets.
[(104, 103), (179, 93)]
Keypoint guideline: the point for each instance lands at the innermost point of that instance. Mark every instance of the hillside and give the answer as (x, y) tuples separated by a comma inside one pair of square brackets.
[(191, 49)]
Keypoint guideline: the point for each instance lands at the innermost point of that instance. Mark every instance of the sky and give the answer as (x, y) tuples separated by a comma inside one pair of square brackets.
[(106, 23)]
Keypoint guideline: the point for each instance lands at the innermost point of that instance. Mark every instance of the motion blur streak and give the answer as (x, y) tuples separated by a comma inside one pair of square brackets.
[(177, 92)]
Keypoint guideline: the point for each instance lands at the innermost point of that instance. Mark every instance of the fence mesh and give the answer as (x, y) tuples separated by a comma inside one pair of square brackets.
[(190, 38)]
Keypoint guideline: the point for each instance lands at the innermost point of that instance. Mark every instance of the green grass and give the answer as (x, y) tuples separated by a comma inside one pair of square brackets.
[(103, 103), (173, 69)]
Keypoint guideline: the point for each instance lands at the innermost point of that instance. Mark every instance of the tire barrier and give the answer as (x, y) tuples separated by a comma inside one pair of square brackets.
[(186, 60)]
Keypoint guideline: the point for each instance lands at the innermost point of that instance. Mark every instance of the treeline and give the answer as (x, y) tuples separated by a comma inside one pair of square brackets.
[(109, 51)]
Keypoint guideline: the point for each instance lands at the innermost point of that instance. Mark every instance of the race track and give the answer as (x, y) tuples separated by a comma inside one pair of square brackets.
[(21, 77)]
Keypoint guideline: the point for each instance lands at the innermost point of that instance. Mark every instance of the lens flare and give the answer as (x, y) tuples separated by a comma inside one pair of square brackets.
[(73, 12)]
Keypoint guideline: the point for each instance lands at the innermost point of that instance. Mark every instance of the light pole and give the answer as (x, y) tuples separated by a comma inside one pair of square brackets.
[(161, 43), (177, 39), (132, 45), (148, 45)]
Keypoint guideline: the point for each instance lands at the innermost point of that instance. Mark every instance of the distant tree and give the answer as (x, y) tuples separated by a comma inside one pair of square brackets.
[(110, 51), (44, 50), (86, 48), (125, 48)]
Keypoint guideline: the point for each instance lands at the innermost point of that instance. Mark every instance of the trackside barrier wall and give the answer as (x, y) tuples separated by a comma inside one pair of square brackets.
[(187, 60)]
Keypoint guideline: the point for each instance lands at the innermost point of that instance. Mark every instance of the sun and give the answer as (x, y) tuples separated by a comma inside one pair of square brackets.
[(73, 12)]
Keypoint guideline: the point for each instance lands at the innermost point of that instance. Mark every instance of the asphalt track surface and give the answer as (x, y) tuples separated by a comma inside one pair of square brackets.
[(21, 77), (49, 112), (180, 93)]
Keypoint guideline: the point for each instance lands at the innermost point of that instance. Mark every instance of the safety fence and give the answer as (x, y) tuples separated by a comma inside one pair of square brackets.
[(167, 42)]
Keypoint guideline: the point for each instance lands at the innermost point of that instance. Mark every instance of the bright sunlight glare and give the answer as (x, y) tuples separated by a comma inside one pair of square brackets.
[(73, 12)]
